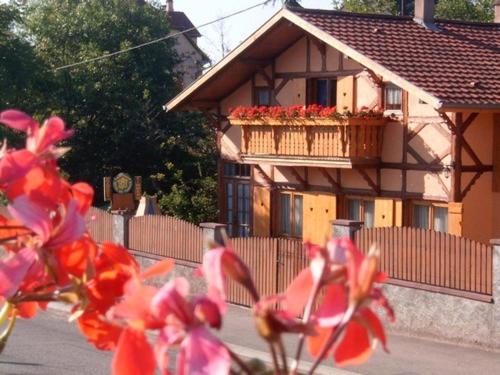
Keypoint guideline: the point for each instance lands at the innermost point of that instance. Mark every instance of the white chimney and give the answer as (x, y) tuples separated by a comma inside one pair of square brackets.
[(496, 6), (170, 6), (424, 11)]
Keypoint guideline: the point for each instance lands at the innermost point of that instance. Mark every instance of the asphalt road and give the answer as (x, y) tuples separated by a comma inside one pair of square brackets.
[(49, 345)]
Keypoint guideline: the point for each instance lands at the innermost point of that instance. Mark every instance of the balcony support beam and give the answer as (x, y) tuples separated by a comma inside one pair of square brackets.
[(369, 181), (336, 186)]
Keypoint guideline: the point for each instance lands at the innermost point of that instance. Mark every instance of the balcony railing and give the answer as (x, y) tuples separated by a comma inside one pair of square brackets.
[(353, 139)]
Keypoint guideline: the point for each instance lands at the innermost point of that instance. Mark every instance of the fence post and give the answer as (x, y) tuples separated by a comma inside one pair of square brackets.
[(212, 233), (495, 274), (495, 291), (345, 228), (120, 229)]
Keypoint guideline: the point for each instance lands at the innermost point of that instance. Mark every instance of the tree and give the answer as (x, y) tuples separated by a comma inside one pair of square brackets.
[(464, 10), (115, 104), (23, 76)]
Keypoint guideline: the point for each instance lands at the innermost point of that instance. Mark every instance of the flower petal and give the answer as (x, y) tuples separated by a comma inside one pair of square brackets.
[(13, 271), (298, 292), (201, 353), (31, 216), (17, 120), (134, 355), (355, 347)]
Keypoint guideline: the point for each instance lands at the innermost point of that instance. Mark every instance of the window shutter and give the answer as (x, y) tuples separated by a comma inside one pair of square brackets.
[(455, 212), (261, 212), (345, 93), (384, 212), (319, 210)]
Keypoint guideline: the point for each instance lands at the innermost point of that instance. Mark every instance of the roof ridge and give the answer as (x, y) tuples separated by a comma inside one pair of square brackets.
[(388, 16), (354, 14)]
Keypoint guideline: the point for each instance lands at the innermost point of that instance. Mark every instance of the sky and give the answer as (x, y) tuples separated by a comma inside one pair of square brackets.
[(236, 28)]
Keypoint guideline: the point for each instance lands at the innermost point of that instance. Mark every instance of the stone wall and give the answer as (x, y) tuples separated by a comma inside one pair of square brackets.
[(181, 269), (448, 318)]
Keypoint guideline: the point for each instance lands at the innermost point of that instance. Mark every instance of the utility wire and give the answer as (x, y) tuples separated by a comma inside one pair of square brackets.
[(108, 55)]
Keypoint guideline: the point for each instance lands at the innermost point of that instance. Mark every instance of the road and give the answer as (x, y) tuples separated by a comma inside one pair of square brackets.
[(48, 345)]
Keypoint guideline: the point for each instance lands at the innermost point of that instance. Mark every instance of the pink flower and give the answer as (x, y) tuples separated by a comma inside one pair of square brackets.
[(14, 269), (219, 264), (200, 351)]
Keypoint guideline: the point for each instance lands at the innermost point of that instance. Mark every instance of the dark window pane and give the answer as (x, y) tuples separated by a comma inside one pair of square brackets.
[(353, 208), (333, 92), (263, 96), (285, 214), (440, 219), (421, 216), (322, 92), (298, 215), (369, 214), (393, 97)]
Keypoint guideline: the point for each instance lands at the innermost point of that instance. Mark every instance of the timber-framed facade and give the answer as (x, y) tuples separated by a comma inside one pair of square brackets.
[(435, 164)]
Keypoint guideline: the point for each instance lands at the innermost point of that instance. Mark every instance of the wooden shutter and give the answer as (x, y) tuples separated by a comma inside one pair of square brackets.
[(455, 213), (261, 211), (388, 213), (319, 210), (345, 93), (496, 153)]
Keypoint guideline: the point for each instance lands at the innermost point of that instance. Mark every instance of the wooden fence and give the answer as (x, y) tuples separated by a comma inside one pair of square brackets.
[(100, 224), (432, 260), (166, 236), (274, 262)]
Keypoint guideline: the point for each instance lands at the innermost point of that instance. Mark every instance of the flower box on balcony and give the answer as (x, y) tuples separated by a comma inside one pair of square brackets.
[(350, 121)]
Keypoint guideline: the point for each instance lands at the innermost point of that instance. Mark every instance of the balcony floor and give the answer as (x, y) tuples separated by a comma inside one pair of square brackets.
[(307, 161)]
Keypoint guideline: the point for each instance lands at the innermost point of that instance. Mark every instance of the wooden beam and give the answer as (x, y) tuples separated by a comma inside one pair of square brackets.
[(266, 77), (299, 177), (456, 130), (368, 180), (412, 133), (456, 155), (416, 155), (330, 179), (471, 183), (338, 73), (282, 84), (469, 121), (264, 175), (439, 158)]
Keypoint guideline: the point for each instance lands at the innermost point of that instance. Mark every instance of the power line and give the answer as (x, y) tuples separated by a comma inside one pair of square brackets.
[(107, 55)]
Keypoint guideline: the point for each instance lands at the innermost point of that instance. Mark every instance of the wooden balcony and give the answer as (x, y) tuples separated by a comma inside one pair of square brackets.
[(312, 142)]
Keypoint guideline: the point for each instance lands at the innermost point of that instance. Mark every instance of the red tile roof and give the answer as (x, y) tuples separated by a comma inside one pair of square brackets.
[(457, 62)]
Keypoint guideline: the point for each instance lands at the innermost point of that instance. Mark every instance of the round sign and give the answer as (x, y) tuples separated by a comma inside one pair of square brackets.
[(122, 183)]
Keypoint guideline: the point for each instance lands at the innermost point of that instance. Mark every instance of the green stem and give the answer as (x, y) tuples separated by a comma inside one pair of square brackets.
[(5, 335)]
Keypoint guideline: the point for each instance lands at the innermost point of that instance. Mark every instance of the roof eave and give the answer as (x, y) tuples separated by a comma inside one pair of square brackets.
[(458, 107), (178, 100)]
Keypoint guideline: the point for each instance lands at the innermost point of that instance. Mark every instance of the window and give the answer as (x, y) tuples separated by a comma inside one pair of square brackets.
[(427, 215), (361, 210), (322, 92), (393, 97), (262, 96), (237, 200), (236, 170), (290, 215)]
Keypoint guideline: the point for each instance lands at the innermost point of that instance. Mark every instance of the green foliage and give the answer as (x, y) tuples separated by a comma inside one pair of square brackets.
[(367, 6), (463, 10), (23, 76), (115, 105)]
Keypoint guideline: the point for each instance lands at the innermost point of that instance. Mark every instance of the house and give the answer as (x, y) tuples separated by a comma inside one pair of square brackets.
[(434, 164), (193, 58)]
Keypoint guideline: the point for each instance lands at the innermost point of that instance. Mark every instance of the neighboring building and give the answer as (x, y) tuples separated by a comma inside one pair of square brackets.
[(435, 165), (193, 58)]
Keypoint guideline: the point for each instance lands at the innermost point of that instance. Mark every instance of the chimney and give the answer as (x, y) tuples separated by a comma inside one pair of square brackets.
[(496, 6), (170, 6), (424, 12)]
